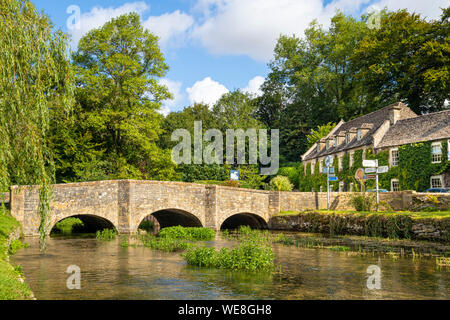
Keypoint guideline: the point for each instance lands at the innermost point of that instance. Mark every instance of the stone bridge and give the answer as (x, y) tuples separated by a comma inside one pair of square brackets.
[(124, 204)]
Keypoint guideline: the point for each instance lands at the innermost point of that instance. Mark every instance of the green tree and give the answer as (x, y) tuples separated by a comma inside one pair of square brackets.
[(319, 133), (407, 59), (117, 69), (35, 78), (312, 82)]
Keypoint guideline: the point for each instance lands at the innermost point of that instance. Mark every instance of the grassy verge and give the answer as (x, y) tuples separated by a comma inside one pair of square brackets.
[(11, 286)]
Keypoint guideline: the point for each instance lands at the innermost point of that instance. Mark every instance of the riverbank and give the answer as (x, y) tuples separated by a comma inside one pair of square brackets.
[(430, 226), (12, 284)]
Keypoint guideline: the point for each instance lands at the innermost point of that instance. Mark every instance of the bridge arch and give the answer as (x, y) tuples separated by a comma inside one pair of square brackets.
[(252, 220), (92, 223), (172, 217)]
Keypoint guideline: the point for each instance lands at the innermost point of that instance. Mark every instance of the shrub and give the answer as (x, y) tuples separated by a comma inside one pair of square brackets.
[(362, 202), (164, 244), (106, 234), (249, 256), (68, 225), (147, 226), (194, 234), (281, 183)]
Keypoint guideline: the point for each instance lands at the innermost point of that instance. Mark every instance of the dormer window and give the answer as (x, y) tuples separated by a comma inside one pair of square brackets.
[(359, 134), (347, 138), (328, 144), (336, 142)]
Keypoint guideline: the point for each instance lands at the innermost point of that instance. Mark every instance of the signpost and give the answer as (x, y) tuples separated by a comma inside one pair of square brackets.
[(371, 166), (328, 163)]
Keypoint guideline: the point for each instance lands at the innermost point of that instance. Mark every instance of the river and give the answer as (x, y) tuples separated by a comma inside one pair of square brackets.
[(109, 271)]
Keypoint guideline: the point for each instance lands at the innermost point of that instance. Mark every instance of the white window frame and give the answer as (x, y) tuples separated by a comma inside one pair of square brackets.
[(393, 164), (392, 185), (327, 144), (336, 142), (440, 178), (359, 134), (436, 157)]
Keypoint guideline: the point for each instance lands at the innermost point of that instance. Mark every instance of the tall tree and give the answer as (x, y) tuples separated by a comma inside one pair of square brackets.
[(117, 69), (406, 59), (35, 77)]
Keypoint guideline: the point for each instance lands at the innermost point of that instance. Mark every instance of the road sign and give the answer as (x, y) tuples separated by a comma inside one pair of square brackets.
[(370, 163), (328, 161), (383, 169), (371, 176), (359, 175), (370, 170), (332, 179), (331, 170), (234, 175)]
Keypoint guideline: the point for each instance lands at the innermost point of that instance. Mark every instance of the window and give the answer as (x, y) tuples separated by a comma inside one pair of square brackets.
[(394, 157), (318, 147), (395, 186), (335, 142), (328, 144), (436, 182), (359, 134), (436, 152), (347, 138)]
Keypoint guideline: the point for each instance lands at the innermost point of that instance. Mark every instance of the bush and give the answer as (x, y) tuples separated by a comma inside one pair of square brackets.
[(362, 202), (147, 226), (164, 244), (249, 256), (194, 234), (68, 225), (292, 173), (106, 234), (281, 183)]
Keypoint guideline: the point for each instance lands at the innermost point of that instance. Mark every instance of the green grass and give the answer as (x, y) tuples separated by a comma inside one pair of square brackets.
[(106, 234), (164, 244), (10, 286), (193, 234)]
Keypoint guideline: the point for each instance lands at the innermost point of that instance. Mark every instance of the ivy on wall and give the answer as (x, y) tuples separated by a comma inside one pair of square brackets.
[(413, 171)]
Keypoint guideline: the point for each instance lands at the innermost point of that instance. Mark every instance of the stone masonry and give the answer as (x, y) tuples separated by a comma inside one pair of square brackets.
[(126, 203)]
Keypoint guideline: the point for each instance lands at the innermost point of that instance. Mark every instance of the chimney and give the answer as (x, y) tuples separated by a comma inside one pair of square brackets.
[(394, 114)]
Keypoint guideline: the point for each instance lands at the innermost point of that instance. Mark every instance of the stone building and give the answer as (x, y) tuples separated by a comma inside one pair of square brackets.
[(386, 129)]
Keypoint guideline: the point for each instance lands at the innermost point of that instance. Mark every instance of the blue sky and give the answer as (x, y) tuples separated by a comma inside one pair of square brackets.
[(213, 46)]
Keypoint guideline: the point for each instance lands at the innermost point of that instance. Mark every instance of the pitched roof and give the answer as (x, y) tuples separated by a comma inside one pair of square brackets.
[(433, 126), (371, 121)]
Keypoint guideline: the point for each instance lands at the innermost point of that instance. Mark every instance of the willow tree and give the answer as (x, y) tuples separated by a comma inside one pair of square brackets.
[(35, 77)]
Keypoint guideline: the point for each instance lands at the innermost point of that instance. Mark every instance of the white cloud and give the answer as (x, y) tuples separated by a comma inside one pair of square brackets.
[(178, 96), (171, 27), (252, 27), (98, 16), (425, 8), (254, 86), (206, 91)]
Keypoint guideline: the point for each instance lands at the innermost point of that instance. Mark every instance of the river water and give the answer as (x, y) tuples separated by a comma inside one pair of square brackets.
[(109, 271)]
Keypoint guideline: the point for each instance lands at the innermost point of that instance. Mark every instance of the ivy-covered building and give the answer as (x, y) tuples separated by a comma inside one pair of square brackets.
[(415, 147)]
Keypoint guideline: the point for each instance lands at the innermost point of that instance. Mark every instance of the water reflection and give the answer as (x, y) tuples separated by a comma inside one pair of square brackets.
[(111, 272)]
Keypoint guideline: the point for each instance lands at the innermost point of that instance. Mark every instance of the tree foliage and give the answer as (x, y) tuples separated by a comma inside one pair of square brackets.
[(35, 78)]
